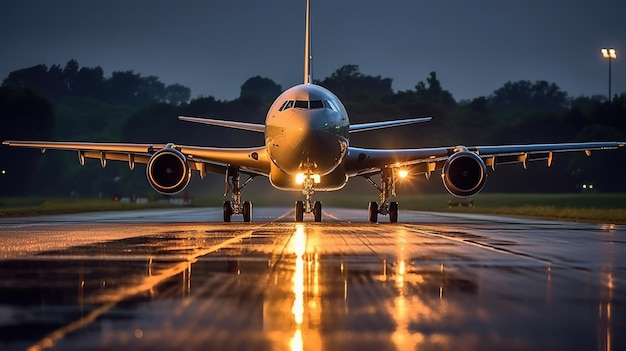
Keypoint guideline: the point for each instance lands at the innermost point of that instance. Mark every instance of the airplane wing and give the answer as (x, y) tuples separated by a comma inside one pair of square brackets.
[(379, 125), (366, 162), (203, 159), (261, 128), (229, 124)]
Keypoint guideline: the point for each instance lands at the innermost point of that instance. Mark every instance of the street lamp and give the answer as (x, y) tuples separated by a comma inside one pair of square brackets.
[(610, 54)]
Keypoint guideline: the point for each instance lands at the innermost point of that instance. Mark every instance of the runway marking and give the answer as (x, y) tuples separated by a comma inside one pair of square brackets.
[(330, 215), (483, 246), (147, 284)]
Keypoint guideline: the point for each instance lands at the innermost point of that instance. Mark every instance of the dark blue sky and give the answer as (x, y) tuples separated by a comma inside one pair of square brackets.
[(475, 46)]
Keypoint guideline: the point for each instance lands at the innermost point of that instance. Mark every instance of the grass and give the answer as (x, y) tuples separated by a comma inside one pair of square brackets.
[(15, 207), (589, 207)]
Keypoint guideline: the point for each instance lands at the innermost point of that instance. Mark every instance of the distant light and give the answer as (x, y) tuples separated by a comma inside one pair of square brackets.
[(609, 53), (4, 171), (590, 186), (584, 186), (403, 173)]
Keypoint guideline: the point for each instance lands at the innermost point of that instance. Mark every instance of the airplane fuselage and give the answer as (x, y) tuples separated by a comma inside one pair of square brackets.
[(306, 136)]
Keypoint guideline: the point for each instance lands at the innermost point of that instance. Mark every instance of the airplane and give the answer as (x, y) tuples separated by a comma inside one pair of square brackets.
[(307, 149)]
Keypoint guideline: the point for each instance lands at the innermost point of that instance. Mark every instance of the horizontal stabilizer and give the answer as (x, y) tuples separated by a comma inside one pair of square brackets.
[(228, 124), (379, 125)]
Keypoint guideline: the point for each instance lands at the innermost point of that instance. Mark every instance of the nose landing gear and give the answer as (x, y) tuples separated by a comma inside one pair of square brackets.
[(308, 206)]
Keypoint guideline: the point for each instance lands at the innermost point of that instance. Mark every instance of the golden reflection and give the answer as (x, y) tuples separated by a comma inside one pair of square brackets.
[(298, 277), (186, 276), (296, 343), (604, 312), (305, 287), (416, 301), (607, 286)]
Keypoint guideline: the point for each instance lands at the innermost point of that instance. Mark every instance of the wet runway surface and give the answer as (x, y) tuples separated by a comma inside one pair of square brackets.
[(180, 279)]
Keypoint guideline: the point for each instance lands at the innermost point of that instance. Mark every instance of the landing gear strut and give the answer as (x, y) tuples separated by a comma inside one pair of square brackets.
[(236, 206), (308, 206), (387, 189)]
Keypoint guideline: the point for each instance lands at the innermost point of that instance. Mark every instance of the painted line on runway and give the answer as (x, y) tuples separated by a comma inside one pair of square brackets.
[(147, 284), (482, 245)]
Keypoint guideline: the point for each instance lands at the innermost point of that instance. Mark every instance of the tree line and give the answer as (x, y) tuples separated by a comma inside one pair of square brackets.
[(81, 104), (123, 87)]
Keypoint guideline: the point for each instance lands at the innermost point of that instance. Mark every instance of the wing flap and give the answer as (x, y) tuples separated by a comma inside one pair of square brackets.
[(214, 160), (363, 162)]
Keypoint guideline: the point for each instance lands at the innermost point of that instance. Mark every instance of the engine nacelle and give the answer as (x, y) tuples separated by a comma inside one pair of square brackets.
[(168, 172), (464, 174)]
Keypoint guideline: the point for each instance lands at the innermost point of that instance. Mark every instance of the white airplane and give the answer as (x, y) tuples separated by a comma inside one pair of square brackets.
[(307, 134)]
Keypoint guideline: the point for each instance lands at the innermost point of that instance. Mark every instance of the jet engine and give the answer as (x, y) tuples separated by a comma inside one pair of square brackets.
[(464, 174), (168, 172)]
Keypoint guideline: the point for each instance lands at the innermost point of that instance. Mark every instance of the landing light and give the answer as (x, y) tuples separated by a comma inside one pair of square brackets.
[(300, 177), (403, 173)]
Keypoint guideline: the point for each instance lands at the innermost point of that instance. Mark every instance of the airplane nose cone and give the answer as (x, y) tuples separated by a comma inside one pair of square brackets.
[(298, 124)]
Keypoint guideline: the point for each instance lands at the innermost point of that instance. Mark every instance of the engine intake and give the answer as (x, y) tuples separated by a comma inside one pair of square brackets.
[(168, 172), (464, 174)]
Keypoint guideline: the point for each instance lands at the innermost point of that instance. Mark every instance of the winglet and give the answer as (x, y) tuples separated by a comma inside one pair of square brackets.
[(307, 45)]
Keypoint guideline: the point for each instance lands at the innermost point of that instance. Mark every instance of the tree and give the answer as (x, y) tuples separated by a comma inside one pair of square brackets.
[(526, 97), (350, 84), (177, 94), (263, 88), (89, 82), (433, 92), (20, 110), (44, 81)]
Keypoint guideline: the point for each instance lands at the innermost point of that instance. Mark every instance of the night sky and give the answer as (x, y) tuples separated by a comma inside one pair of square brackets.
[(475, 46)]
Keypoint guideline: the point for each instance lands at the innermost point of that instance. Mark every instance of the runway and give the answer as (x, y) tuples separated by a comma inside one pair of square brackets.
[(180, 279)]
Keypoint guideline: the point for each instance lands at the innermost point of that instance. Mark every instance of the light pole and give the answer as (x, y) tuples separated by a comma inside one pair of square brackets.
[(610, 54)]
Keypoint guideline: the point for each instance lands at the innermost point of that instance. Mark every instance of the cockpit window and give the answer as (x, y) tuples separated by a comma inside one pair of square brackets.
[(301, 104), (331, 105), (316, 104), (286, 105), (313, 104)]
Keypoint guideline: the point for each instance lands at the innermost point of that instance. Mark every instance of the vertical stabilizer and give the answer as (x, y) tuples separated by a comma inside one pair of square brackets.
[(307, 45)]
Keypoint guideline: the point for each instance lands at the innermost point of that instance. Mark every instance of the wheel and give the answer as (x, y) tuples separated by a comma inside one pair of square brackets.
[(247, 211), (372, 211), (393, 212), (228, 211), (299, 211), (317, 211)]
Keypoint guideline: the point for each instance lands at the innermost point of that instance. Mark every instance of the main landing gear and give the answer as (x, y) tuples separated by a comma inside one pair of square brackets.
[(387, 189), (236, 207), (308, 205)]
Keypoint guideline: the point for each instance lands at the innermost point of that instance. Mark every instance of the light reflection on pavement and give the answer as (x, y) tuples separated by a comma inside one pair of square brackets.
[(433, 282)]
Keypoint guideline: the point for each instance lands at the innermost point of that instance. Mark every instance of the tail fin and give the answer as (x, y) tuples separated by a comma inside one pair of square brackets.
[(307, 45)]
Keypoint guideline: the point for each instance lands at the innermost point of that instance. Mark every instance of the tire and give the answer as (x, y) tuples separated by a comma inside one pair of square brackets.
[(317, 211), (228, 211), (299, 211), (393, 212), (372, 211), (247, 211)]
